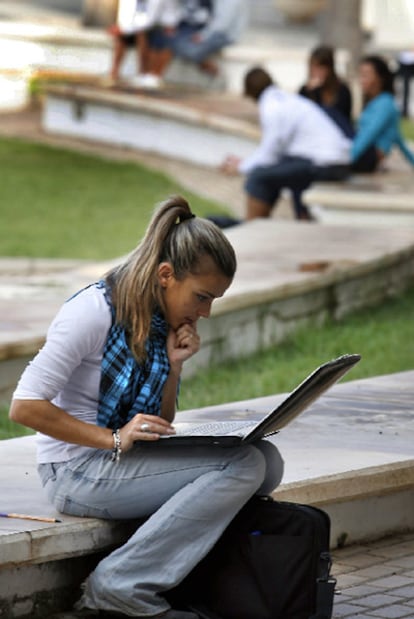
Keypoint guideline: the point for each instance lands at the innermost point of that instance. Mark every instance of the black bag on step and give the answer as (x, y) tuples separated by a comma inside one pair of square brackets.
[(272, 562)]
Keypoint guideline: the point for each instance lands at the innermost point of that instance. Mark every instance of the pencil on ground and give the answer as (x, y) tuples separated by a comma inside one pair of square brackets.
[(29, 517)]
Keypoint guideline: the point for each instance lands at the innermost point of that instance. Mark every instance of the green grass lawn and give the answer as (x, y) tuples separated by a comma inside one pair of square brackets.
[(382, 335), (62, 204)]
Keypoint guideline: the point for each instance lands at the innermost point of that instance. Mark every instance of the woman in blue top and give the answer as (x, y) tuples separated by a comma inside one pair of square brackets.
[(378, 126)]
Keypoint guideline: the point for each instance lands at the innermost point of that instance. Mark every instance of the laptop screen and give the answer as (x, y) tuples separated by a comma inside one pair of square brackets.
[(307, 392)]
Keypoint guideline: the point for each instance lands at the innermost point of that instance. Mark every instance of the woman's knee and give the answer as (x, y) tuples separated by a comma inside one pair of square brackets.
[(274, 466)]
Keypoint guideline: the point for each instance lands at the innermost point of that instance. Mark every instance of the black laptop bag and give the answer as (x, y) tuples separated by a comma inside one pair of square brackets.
[(272, 562)]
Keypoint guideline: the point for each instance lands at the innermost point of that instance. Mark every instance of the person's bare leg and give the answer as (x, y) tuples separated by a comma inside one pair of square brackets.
[(257, 208), (118, 56), (143, 53), (159, 61), (209, 66)]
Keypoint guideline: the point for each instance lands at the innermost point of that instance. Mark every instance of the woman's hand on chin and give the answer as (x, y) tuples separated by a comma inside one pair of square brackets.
[(182, 344)]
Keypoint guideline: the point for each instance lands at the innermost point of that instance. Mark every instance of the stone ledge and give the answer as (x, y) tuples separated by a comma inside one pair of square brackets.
[(76, 537), (329, 273), (350, 453), (341, 195), (157, 107), (62, 541), (289, 275), (61, 34), (18, 266), (82, 536), (21, 346), (331, 281), (383, 197), (350, 486)]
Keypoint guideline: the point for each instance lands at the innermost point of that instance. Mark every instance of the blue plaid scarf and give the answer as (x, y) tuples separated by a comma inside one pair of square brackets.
[(127, 387)]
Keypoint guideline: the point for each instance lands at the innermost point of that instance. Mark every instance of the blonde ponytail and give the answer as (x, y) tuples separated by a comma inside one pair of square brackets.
[(173, 235)]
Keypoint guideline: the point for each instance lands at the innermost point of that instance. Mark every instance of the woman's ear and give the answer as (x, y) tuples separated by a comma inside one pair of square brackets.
[(165, 274)]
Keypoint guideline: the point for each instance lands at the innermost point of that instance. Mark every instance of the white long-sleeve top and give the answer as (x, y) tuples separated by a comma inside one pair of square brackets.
[(294, 126), (136, 16), (67, 370)]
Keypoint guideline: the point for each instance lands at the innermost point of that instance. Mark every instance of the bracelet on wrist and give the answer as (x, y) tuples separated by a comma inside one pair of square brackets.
[(117, 449)]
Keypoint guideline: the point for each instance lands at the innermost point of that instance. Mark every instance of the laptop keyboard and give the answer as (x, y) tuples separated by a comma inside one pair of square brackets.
[(215, 428)]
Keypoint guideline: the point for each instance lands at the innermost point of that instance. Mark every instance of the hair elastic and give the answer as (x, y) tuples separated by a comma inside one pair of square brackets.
[(182, 218)]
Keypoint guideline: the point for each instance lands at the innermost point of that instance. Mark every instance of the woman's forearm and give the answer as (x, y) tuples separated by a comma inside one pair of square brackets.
[(45, 417)]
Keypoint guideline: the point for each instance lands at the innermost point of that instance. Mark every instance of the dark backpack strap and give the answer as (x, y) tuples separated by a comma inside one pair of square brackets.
[(325, 589)]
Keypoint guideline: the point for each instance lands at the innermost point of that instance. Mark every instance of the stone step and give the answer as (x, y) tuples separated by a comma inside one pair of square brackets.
[(290, 275), (380, 199), (171, 123), (350, 453)]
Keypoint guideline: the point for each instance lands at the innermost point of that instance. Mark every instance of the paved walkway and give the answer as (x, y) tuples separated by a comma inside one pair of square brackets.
[(376, 580)]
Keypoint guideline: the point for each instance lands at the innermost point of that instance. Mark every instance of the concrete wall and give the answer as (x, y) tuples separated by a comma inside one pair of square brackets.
[(144, 129), (264, 13), (244, 331), (257, 324)]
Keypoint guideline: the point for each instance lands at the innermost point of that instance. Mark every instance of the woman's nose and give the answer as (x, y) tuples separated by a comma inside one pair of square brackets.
[(205, 311)]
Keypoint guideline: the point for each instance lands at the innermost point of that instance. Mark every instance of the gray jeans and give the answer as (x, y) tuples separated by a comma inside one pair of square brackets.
[(192, 495)]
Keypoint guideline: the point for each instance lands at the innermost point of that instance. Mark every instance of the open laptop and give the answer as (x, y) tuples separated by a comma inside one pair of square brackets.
[(228, 433)]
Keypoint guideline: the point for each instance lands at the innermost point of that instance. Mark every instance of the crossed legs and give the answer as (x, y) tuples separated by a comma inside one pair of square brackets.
[(192, 495)]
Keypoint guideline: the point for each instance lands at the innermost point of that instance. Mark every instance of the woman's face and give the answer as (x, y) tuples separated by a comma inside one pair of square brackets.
[(369, 80), (318, 73), (188, 299)]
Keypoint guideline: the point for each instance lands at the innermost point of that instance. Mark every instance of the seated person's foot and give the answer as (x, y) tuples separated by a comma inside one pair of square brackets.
[(150, 80), (147, 80), (108, 81), (306, 215), (209, 67)]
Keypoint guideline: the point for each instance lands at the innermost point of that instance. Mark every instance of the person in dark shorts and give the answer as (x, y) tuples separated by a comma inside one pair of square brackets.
[(144, 25)]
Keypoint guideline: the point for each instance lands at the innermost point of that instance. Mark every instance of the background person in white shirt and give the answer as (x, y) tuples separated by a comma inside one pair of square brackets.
[(300, 144), (145, 25)]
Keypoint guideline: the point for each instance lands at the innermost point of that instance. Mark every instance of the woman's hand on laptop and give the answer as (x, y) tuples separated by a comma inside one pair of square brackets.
[(182, 344), (144, 427)]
